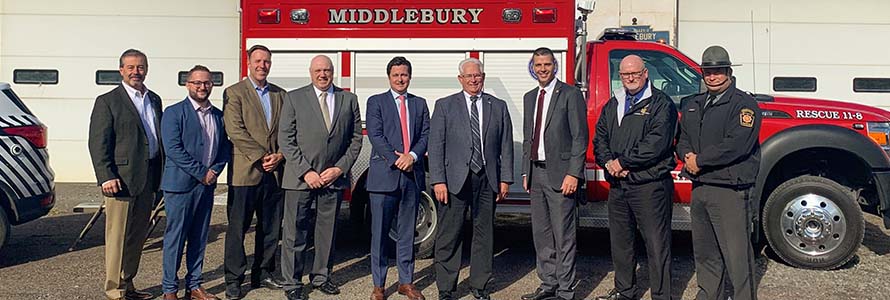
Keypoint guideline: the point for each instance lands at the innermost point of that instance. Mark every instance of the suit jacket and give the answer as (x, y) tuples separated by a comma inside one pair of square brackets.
[(251, 137), (451, 142), (118, 144), (385, 133), (566, 134), (183, 138), (306, 143)]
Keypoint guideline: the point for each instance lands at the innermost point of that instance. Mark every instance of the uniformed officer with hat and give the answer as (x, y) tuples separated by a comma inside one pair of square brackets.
[(719, 143)]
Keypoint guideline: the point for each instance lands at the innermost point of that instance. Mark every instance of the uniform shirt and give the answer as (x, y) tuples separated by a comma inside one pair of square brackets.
[(479, 108), (208, 126), (548, 94), (395, 97), (147, 115), (329, 100), (263, 93)]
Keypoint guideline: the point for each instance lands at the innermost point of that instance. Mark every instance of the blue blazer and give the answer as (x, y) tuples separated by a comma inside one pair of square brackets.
[(385, 134), (183, 141)]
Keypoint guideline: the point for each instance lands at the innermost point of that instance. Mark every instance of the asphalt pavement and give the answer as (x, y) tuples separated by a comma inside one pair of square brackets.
[(36, 264)]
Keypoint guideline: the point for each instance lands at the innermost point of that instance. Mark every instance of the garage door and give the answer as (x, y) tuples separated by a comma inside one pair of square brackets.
[(291, 70)]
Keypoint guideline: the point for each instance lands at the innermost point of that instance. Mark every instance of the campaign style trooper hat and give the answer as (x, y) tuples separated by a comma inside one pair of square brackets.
[(716, 57)]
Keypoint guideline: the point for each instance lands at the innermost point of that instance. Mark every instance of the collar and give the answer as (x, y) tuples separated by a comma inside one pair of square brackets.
[(318, 92), (549, 87), (396, 95), (467, 95), (257, 87), (197, 106), (132, 91), (646, 92)]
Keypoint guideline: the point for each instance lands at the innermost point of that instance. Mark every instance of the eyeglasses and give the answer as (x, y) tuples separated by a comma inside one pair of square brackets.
[(637, 74), (468, 76), (200, 83)]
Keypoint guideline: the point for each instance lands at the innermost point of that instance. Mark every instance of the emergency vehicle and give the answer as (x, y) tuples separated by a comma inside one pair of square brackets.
[(824, 162)]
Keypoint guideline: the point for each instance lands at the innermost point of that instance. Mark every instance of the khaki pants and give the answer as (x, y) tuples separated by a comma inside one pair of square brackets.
[(126, 227)]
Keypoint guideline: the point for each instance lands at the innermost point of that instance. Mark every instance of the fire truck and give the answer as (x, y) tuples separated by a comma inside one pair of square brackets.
[(824, 163)]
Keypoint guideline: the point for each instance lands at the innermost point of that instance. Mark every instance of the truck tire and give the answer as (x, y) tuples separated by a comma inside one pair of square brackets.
[(424, 228), (4, 228), (813, 222)]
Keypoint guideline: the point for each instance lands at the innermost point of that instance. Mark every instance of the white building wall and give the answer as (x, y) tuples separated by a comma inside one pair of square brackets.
[(80, 37)]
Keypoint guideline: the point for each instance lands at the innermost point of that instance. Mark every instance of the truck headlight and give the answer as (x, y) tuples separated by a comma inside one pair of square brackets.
[(880, 133)]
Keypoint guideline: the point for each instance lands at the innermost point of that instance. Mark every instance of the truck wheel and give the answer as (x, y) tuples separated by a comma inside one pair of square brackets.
[(425, 227), (4, 228), (813, 222)]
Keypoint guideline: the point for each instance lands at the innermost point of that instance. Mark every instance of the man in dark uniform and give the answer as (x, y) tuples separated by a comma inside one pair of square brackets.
[(634, 144), (719, 143)]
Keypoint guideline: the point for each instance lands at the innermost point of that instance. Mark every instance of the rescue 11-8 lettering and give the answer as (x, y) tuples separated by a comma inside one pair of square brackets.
[(828, 114)]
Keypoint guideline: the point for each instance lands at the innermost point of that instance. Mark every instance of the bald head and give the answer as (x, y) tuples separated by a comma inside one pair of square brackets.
[(633, 73), (321, 70)]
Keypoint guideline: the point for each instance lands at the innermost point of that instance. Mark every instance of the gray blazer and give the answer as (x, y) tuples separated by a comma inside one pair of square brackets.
[(307, 144), (118, 144), (566, 134), (450, 142)]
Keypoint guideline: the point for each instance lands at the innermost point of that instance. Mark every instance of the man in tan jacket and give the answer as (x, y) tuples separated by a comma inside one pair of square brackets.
[(251, 108)]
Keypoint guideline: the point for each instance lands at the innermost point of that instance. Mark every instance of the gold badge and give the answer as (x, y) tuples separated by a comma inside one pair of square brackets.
[(746, 117)]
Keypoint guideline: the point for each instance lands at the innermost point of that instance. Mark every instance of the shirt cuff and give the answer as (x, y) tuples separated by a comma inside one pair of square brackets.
[(414, 155)]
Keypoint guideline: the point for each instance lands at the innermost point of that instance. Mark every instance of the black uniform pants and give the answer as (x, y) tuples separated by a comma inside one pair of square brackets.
[(646, 207), (721, 226), (478, 196), (264, 199)]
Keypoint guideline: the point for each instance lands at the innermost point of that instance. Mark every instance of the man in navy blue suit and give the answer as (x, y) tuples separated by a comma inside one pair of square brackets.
[(398, 125), (197, 150)]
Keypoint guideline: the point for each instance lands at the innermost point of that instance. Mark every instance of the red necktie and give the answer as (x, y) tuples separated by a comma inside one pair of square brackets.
[(403, 116), (537, 136)]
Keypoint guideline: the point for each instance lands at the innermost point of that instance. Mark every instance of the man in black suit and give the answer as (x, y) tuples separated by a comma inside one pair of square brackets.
[(127, 158), (553, 150), (320, 135), (471, 166)]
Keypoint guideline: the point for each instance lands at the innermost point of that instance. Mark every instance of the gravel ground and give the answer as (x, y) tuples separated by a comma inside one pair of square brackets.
[(36, 264)]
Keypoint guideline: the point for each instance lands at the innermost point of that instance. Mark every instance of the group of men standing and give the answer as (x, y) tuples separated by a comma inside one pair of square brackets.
[(291, 151)]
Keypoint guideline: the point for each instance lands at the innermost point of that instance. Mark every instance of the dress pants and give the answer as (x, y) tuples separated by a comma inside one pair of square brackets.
[(721, 231), (478, 196), (554, 228), (399, 206), (296, 225), (188, 222), (264, 199), (126, 227), (646, 207)]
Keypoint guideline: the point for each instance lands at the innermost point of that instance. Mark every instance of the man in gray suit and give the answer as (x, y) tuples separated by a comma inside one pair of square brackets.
[(471, 166), (319, 149), (128, 159), (553, 150)]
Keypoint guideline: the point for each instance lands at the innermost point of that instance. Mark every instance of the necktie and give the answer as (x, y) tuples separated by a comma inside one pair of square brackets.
[(403, 116), (628, 104), (538, 114), (710, 101), (325, 111), (476, 156)]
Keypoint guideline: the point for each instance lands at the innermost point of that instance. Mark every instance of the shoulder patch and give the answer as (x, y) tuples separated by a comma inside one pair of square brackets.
[(746, 117)]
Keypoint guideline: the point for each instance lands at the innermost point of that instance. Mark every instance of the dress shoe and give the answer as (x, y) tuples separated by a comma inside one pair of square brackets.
[(481, 295), (614, 295), (268, 283), (295, 294), (327, 287), (378, 293), (445, 296), (137, 295), (410, 291), (233, 291), (539, 294), (200, 294), (170, 296)]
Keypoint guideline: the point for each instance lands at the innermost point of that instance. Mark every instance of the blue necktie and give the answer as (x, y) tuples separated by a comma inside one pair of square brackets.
[(628, 104)]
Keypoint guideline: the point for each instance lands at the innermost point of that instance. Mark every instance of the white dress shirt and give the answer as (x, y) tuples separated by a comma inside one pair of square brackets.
[(548, 94), (147, 115), (330, 101)]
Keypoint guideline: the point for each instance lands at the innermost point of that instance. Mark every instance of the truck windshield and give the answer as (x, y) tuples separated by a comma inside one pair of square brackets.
[(667, 73)]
